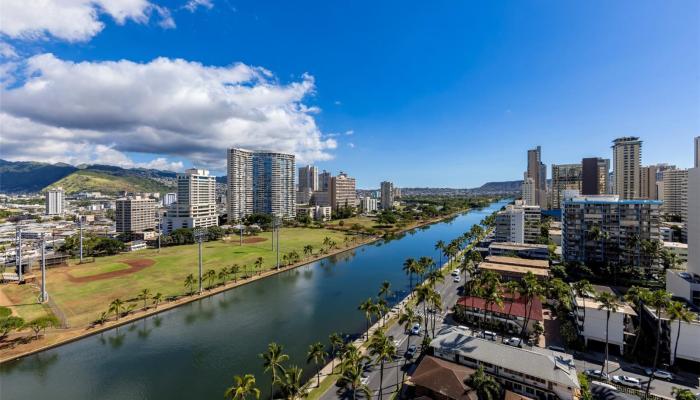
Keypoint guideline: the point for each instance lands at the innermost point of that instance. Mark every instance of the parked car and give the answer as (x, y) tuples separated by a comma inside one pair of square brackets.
[(660, 374), (557, 348), (607, 386), (455, 272), (411, 351), (627, 381), (489, 335), (456, 279), (416, 329), (364, 380), (596, 373), (514, 341)]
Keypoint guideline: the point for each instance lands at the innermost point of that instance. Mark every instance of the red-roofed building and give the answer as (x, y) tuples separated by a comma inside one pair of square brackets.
[(512, 314)]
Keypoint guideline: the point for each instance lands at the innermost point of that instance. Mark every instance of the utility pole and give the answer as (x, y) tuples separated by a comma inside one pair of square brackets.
[(44, 295), (19, 253), (80, 228), (199, 236)]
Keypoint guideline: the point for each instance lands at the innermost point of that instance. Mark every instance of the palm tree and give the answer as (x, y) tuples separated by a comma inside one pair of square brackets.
[(384, 350), (485, 386), (243, 387), (223, 275), (435, 301), (258, 263), (367, 307), (529, 288), (272, 362), (234, 270), (157, 298), (472, 259), (190, 282), (308, 250), (144, 295), (638, 296), (659, 300), (511, 287), (582, 289), (426, 264), (408, 318), (317, 354), (435, 276), (677, 311), (652, 249), (352, 376), (116, 307), (609, 303), (409, 268), (424, 294), (336, 345), (291, 384), (385, 290), (210, 276), (440, 247)]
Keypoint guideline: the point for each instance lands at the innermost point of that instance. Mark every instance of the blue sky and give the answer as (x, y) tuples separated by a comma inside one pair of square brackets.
[(447, 93)]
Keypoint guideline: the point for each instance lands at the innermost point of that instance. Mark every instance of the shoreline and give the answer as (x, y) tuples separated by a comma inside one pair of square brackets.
[(78, 333)]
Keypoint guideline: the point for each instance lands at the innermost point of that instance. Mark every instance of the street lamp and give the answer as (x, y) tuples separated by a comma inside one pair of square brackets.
[(44, 296), (199, 236), (276, 222), (80, 228), (18, 254)]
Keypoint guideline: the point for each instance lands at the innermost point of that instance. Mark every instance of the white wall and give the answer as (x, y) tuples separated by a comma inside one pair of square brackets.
[(689, 343)]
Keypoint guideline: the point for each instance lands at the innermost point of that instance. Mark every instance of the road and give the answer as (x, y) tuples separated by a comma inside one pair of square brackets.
[(449, 291)]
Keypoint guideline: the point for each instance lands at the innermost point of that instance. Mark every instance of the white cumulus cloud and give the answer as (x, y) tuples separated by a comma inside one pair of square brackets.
[(72, 20), (59, 110), (192, 5)]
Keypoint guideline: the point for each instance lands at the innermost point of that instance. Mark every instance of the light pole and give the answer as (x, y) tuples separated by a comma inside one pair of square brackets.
[(19, 253), (199, 236), (240, 230), (44, 297), (159, 233), (276, 224), (80, 228)]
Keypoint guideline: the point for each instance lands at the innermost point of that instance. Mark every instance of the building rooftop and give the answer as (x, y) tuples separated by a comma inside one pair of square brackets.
[(514, 269), (676, 245), (444, 377), (516, 308), (517, 246), (591, 303), (519, 262), (545, 364), (607, 199)]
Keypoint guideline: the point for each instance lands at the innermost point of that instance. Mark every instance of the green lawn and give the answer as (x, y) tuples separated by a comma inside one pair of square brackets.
[(24, 300), (83, 302)]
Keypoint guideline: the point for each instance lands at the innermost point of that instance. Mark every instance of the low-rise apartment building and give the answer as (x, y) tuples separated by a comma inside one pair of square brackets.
[(592, 327), (533, 372), (523, 250)]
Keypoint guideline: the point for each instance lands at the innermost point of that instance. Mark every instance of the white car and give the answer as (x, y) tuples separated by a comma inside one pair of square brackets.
[(490, 335), (514, 341), (660, 374), (364, 380), (627, 381), (456, 279), (455, 272), (416, 329)]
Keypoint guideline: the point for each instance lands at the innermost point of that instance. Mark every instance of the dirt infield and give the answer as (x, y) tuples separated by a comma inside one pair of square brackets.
[(254, 239), (134, 266)]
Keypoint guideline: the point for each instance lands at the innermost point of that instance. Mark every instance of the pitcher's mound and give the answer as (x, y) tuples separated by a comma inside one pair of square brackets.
[(254, 239)]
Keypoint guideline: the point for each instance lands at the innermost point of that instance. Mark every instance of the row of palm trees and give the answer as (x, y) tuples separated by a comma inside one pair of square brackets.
[(121, 308)]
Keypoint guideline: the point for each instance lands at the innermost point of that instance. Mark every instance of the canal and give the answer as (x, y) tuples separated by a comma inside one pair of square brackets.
[(193, 352)]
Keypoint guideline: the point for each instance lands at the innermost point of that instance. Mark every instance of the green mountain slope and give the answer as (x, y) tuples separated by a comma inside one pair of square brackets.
[(88, 180), (29, 176)]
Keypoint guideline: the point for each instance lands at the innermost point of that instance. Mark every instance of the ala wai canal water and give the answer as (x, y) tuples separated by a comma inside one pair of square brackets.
[(192, 352)]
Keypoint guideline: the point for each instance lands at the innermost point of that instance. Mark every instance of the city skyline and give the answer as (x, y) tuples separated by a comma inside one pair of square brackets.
[(491, 85)]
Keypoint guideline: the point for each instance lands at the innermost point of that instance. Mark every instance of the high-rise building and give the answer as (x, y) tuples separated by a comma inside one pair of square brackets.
[(239, 178), (529, 192), (196, 202), (647, 183), (538, 172), (693, 224), (675, 193), (308, 178), (697, 152), (324, 181), (606, 229), (387, 195), (368, 204), (518, 224), (342, 191), (565, 177), (260, 182), (627, 163), (169, 198), (135, 214), (595, 176), (54, 199)]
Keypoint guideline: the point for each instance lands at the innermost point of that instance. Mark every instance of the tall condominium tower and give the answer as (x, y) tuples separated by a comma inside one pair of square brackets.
[(627, 159), (675, 193), (538, 172), (693, 224), (240, 184), (54, 201), (528, 189), (697, 152), (324, 181), (647, 183), (273, 184), (387, 195), (308, 178), (565, 177), (196, 202), (260, 182), (595, 176), (343, 191)]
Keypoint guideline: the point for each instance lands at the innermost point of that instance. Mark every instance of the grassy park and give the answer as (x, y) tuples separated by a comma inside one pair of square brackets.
[(83, 291)]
